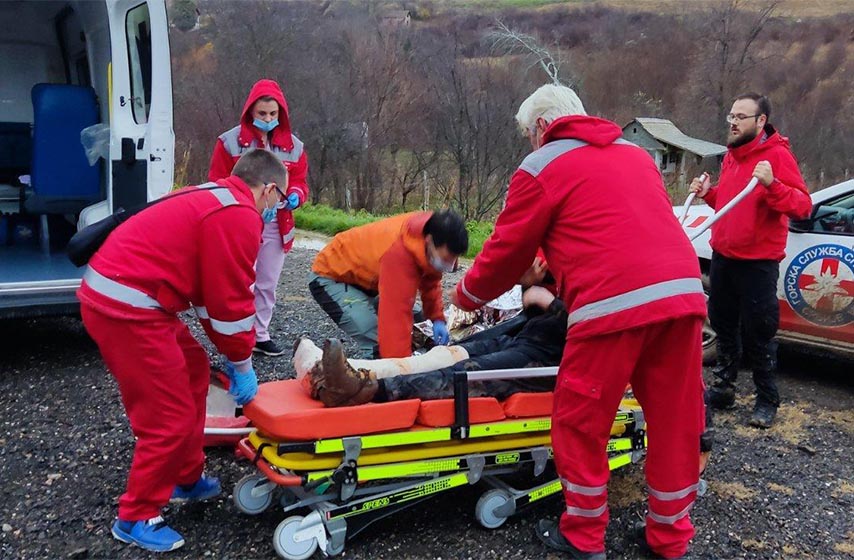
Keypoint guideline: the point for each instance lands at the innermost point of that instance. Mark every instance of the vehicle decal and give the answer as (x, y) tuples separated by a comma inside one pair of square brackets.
[(819, 285)]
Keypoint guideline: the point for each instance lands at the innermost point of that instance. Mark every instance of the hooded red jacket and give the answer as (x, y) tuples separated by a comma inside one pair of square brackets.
[(597, 206), (198, 248), (235, 142), (756, 228)]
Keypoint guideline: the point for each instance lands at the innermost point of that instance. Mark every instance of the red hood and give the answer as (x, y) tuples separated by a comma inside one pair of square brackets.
[(593, 130), (282, 133), (770, 138)]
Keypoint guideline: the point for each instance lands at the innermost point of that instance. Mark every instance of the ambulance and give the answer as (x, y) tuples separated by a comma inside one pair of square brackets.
[(85, 129), (816, 284)]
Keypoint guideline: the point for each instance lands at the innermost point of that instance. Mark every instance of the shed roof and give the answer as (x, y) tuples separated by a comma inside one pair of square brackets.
[(665, 131)]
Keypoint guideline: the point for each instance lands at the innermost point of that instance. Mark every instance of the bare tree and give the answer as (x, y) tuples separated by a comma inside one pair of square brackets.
[(508, 41)]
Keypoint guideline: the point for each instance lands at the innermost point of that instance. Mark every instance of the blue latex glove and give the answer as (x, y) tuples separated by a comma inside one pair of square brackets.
[(292, 202), (440, 333), (242, 386)]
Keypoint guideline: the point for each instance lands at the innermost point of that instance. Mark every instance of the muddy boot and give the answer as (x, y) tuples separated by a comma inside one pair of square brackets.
[(336, 383), (722, 395), (764, 413)]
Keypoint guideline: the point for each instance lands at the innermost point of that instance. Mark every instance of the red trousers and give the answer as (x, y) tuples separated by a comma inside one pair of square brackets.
[(163, 376), (663, 362)]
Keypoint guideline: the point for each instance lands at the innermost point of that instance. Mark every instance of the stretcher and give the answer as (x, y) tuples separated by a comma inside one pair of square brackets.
[(336, 470)]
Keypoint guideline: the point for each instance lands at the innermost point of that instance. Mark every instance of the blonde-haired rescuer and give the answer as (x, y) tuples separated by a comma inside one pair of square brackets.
[(631, 284)]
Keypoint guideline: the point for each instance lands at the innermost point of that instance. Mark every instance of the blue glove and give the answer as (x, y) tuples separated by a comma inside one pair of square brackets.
[(440, 333), (242, 386), (292, 202)]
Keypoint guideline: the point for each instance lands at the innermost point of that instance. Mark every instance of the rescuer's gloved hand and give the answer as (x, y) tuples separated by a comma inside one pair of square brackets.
[(440, 333), (243, 385), (292, 202)]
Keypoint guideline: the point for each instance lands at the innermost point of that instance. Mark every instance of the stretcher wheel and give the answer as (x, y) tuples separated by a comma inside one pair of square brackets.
[(286, 546), (245, 501), (484, 512)]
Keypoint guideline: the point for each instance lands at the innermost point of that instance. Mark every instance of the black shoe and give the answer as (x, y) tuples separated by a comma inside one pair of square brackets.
[(645, 550), (722, 397), (549, 532), (268, 347), (763, 414)]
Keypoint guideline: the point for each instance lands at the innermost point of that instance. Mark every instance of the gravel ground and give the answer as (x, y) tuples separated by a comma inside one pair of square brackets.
[(65, 446)]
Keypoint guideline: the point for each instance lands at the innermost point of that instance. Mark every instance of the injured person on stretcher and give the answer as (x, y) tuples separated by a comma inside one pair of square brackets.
[(335, 381)]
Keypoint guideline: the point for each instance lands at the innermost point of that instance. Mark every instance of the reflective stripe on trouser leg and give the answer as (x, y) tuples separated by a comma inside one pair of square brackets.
[(593, 375), (577, 493)]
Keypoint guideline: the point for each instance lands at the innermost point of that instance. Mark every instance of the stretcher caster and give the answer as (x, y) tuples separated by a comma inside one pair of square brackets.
[(486, 510), (285, 543), (253, 494), (332, 551)]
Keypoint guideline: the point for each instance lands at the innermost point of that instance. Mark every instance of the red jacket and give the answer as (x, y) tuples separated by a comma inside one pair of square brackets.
[(388, 257), (597, 206), (758, 226), (198, 248), (233, 143)]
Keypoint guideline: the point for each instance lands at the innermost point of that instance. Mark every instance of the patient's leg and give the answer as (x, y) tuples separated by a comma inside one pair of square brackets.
[(439, 384), (307, 355)]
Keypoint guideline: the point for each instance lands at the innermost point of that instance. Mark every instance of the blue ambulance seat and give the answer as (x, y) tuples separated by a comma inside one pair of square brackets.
[(63, 182)]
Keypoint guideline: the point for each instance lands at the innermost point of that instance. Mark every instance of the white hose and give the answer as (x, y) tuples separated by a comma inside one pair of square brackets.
[(729, 206), (686, 207)]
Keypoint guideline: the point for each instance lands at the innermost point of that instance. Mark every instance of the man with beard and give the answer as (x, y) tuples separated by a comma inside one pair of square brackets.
[(748, 244)]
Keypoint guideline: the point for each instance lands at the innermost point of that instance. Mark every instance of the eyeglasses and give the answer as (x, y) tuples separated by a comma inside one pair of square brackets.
[(732, 119), (282, 197)]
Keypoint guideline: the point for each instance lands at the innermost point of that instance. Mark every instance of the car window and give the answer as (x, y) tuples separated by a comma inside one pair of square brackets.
[(139, 50), (835, 216)]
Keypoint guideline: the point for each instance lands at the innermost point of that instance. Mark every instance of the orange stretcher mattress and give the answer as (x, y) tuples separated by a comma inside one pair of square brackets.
[(282, 410)]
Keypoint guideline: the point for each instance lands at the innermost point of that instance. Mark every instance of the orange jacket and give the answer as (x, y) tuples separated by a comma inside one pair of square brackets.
[(388, 257)]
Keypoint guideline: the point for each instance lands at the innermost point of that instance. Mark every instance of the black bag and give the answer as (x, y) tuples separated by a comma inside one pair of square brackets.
[(88, 240)]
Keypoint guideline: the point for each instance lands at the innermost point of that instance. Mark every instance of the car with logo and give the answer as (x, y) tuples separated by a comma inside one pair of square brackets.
[(816, 284)]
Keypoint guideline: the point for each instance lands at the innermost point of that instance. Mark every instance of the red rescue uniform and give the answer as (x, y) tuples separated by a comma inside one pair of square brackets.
[(235, 142), (631, 282), (198, 247)]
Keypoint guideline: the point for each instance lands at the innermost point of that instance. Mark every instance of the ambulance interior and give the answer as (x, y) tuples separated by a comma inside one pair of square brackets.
[(54, 57)]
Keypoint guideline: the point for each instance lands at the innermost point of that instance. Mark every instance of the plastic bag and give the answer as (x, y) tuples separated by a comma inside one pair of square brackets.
[(96, 142)]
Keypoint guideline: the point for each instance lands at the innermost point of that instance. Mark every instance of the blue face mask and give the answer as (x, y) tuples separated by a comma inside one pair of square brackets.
[(268, 215), (266, 126)]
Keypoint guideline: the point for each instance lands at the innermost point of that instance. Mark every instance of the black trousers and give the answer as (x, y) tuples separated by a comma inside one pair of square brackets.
[(503, 352), (745, 314)]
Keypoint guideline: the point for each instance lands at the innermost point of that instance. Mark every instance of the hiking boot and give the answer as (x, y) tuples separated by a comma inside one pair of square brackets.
[(548, 531), (268, 348), (722, 396), (151, 534), (645, 549), (763, 414), (205, 488), (336, 383)]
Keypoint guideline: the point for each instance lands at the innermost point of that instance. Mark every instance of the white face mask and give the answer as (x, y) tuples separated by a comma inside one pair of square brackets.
[(438, 263)]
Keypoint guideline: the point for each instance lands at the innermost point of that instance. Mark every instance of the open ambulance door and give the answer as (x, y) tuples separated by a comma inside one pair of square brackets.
[(142, 141)]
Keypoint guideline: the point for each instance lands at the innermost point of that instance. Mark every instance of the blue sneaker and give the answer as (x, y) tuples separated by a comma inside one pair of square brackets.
[(205, 488), (152, 534)]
